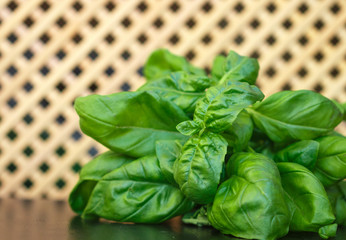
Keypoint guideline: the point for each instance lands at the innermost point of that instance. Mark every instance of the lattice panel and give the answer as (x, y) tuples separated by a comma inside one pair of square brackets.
[(53, 51)]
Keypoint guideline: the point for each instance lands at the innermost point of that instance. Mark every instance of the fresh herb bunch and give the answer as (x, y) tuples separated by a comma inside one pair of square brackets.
[(207, 147)]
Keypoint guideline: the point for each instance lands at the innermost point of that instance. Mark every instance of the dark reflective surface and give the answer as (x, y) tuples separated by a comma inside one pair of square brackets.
[(43, 219)]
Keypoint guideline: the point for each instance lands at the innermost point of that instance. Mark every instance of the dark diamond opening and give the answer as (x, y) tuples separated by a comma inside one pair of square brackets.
[(61, 22), (271, 7), (302, 72), (12, 38), (174, 39), (239, 7), (77, 38), (44, 167), (60, 54), (109, 39), (190, 23), (126, 55), (223, 23), (334, 72), (77, 6), (28, 151), (255, 54), (334, 40), (287, 24), (28, 183), (190, 55), (12, 6), (158, 23), (303, 8), (142, 38), (28, 54), (44, 103), (239, 39), (303, 40), (109, 71), (77, 71), (206, 39), (93, 22), (287, 56), (319, 56), (174, 7), (45, 6), (76, 167), (255, 23), (318, 88), (286, 87), (60, 87), (60, 119), (93, 151), (76, 135), (11, 102), (271, 72), (126, 22), (335, 8), (110, 6), (125, 87), (60, 151), (12, 70), (93, 55), (271, 40), (319, 24), (93, 87), (207, 7), (60, 183), (28, 119), (44, 135), (44, 38), (44, 70), (11, 167), (28, 22), (142, 6), (12, 135), (140, 71)]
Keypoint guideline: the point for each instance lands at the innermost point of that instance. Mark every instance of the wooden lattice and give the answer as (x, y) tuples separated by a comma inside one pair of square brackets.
[(53, 51)]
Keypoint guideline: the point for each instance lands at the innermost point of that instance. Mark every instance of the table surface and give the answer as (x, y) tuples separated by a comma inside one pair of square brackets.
[(46, 219)]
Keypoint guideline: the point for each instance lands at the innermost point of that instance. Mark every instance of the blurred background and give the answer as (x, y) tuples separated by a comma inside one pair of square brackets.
[(54, 51)]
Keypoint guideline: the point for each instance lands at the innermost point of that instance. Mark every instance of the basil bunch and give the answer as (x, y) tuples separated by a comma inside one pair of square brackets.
[(207, 147)]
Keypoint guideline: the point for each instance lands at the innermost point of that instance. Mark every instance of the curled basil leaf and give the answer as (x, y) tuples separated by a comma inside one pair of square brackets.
[(251, 203), (197, 217), (129, 122), (236, 68), (331, 163), (168, 151), (182, 89), (337, 197), (137, 192), (307, 199), (89, 176), (221, 106), (295, 115), (303, 152), (240, 132), (162, 62), (198, 169)]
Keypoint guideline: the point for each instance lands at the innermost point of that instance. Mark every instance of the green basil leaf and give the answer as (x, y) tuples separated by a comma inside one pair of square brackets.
[(197, 217), (217, 70), (137, 192), (90, 174), (129, 122), (344, 107), (306, 197), (182, 89), (295, 115), (162, 62), (199, 167), (240, 132), (251, 203), (331, 162), (328, 231), (337, 198), (222, 104), (304, 152), (168, 151)]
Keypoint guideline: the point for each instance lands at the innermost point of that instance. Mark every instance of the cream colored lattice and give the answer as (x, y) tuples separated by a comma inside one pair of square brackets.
[(53, 51)]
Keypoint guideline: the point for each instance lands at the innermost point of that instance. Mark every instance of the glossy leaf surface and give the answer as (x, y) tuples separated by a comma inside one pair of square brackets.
[(199, 167), (306, 197), (129, 122), (137, 192), (331, 163), (90, 174), (162, 62), (337, 198), (251, 203), (302, 152), (295, 115)]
